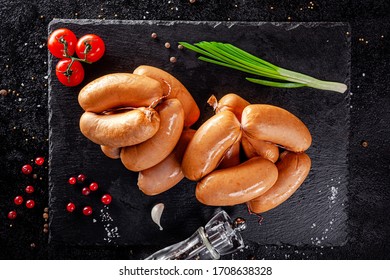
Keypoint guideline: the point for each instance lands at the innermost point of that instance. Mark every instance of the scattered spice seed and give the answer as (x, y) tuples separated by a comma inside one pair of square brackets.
[(12, 215), (154, 35), (3, 92), (167, 45), (45, 216), (180, 47), (32, 245), (172, 59), (27, 169), (364, 144), (18, 200), (45, 230), (29, 189), (87, 210), (46, 210), (30, 203), (35, 176), (46, 225), (192, 1)]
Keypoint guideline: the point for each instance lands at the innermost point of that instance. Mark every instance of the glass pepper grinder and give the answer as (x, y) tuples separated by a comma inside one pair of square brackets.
[(220, 236)]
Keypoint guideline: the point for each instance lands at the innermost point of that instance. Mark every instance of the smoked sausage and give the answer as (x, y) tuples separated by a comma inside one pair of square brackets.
[(177, 90), (237, 184), (210, 143), (154, 150), (253, 147), (231, 157), (119, 90), (275, 125), (120, 129), (167, 173), (111, 152), (231, 102), (293, 169)]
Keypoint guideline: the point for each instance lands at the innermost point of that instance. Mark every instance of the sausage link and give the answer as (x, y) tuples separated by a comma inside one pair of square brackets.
[(254, 147), (210, 143), (178, 91), (293, 169), (237, 184), (276, 125), (231, 157), (111, 152), (230, 102), (154, 150), (168, 173), (120, 129), (119, 90)]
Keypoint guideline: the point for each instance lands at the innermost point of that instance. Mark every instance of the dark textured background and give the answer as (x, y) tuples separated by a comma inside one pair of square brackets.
[(24, 130)]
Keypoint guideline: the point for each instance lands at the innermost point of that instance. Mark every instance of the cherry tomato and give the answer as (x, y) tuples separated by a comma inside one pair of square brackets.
[(60, 41), (90, 47), (71, 75)]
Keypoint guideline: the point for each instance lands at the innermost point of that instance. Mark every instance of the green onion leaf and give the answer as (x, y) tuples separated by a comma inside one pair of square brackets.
[(228, 55), (275, 84)]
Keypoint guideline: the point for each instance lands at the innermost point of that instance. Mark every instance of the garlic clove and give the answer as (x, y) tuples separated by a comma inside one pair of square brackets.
[(156, 213)]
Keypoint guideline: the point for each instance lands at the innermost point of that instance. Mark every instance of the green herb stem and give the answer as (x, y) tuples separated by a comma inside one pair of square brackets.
[(228, 55)]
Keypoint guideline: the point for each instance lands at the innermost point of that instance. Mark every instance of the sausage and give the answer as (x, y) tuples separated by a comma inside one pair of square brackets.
[(293, 169), (237, 184), (231, 157), (178, 91), (210, 143), (120, 129), (231, 102), (167, 173), (254, 147), (154, 150), (275, 125), (119, 90), (111, 152)]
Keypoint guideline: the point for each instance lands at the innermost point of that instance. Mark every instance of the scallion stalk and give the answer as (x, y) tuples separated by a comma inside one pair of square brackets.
[(233, 57)]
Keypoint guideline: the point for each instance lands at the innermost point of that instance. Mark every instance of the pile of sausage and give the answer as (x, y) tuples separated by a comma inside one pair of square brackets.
[(144, 119), (264, 179)]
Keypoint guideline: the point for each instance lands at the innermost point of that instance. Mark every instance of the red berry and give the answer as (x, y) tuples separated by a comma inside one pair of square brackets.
[(29, 189), (27, 169), (81, 178), (72, 180), (12, 215), (93, 186), (70, 207), (30, 203), (39, 160), (86, 191), (106, 199), (87, 210), (18, 200)]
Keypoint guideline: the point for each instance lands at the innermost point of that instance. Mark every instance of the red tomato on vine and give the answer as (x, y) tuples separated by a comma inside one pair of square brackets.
[(69, 72), (62, 43), (90, 47)]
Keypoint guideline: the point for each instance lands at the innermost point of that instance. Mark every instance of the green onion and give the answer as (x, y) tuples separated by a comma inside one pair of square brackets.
[(230, 56)]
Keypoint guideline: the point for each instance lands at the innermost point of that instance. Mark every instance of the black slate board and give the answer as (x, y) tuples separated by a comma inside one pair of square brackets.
[(314, 215)]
